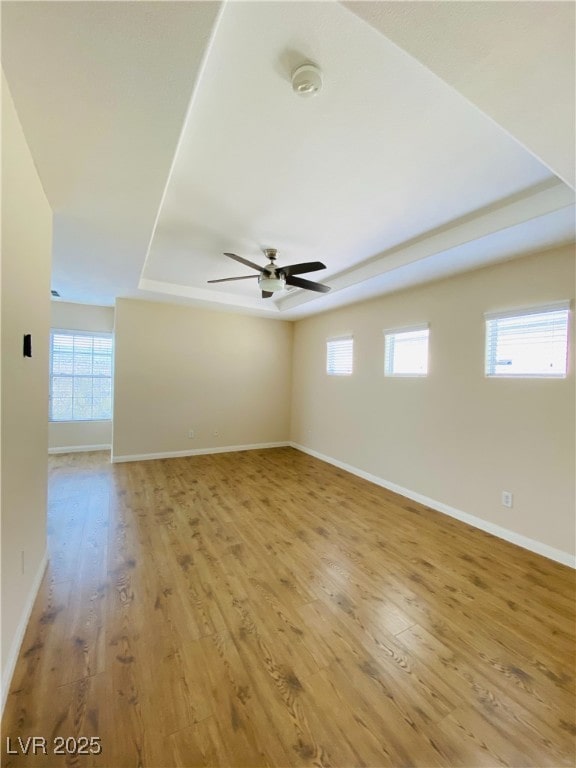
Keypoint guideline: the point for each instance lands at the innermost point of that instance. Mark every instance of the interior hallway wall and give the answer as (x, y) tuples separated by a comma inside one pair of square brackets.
[(25, 291)]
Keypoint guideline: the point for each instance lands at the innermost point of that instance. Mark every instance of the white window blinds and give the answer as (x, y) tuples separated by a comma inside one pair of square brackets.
[(339, 356), (406, 352), (80, 376), (528, 343)]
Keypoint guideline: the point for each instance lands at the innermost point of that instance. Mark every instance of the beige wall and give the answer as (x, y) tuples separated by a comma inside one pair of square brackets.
[(26, 257), (70, 436), (81, 317), (455, 436), (78, 435), (179, 368)]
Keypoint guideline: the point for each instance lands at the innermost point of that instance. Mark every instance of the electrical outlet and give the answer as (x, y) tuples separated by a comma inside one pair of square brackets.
[(507, 499), (190, 434)]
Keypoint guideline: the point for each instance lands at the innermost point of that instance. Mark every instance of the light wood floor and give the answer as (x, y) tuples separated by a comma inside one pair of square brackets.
[(264, 608)]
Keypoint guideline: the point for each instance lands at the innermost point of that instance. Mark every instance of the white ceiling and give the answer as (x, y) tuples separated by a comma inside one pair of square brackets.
[(513, 60), (166, 133)]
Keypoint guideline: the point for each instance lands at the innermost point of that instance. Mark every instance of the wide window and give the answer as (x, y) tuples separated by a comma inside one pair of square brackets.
[(80, 376), (406, 352), (339, 356), (528, 343)]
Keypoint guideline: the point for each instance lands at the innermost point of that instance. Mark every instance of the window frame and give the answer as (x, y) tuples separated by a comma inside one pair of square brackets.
[(333, 339), (491, 336), (108, 335), (388, 332)]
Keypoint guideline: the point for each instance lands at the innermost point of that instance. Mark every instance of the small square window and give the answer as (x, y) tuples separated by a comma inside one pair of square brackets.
[(406, 352), (339, 356), (528, 344)]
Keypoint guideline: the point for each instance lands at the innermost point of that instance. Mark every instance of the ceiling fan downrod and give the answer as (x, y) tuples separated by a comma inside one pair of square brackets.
[(271, 254)]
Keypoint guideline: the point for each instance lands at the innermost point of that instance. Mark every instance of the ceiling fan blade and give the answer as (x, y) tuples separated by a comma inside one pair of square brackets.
[(300, 269), (228, 279), (267, 294), (245, 261), (299, 282)]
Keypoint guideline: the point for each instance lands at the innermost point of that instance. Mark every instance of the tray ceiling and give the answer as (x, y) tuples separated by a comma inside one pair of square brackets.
[(166, 133)]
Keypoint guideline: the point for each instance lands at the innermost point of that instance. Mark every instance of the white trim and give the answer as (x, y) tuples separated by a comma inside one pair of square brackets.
[(8, 671), (230, 300), (554, 306), (406, 329), (565, 558), (80, 448), (197, 452), (340, 337), (80, 332)]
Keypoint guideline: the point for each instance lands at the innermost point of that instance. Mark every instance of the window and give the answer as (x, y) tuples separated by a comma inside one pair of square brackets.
[(406, 352), (339, 356), (80, 376), (528, 342)]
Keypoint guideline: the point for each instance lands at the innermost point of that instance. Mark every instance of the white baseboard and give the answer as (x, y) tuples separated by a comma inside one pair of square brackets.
[(8, 671), (197, 452), (565, 558), (79, 448)]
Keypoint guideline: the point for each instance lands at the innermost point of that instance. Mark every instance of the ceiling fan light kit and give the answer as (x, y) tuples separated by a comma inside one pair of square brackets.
[(307, 80), (271, 283)]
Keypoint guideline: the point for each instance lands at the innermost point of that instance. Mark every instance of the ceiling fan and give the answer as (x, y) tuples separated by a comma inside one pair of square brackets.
[(272, 278)]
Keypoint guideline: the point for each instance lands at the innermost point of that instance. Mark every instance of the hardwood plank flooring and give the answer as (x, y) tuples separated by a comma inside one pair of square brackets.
[(266, 609)]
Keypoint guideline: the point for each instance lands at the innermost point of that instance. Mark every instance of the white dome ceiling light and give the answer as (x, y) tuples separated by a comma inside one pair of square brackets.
[(307, 80)]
